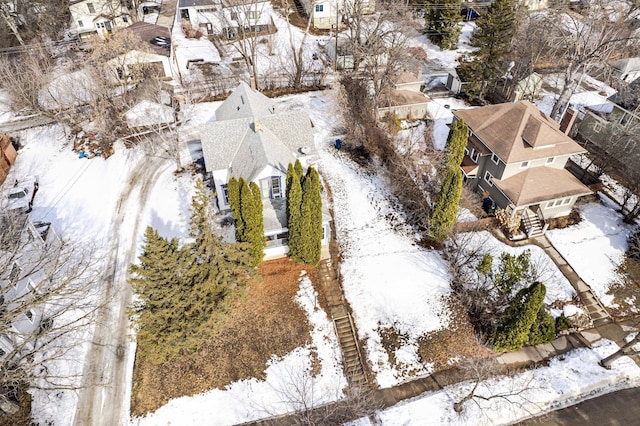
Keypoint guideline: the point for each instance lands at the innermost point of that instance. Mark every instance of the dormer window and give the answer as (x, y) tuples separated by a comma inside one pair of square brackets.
[(495, 159), (524, 164), (474, 155)]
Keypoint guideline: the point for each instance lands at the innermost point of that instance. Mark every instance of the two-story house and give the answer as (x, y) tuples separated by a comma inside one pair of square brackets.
[(98, 18), (613, 128), (22, 246), (516, 155), (230, 19), (325, 13), (250, 137)]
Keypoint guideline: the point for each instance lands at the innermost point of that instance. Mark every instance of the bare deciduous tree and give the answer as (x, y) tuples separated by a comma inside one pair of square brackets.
[(579, 42), (632, 347), (48, 297)]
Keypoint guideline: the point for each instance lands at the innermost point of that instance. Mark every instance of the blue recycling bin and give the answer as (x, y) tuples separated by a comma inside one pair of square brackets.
[(338, 143)]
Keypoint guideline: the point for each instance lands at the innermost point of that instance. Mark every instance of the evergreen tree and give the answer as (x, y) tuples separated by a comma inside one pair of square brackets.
[(252, 222), (311, 219), (299, 170), (456, 143), (288, 181), (493, 37), (294, 222), (522, 313), (543, 329), (317, 229), (233, 198), (442, 21), (445, 211), (257, 238), (486, 265), (512, 271), (238, 220)]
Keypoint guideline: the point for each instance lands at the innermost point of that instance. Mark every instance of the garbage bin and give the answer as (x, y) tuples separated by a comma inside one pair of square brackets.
[(338, 143)]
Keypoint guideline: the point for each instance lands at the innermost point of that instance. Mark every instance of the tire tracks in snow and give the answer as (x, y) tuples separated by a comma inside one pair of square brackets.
[(101, 401)]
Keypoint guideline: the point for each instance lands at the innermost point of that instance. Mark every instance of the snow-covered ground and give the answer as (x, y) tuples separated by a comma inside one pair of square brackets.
[(568, 379), (594, 247)]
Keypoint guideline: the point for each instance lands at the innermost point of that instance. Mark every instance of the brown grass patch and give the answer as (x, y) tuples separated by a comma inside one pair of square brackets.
[(456, 341), (266, 322), (626, 289)]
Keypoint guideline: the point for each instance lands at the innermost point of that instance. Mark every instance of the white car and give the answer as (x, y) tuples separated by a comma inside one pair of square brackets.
[(21, 196)]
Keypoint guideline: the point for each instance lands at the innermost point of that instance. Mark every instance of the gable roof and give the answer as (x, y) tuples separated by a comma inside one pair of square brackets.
[(250, 133), (626, 65), (539, 184), (245, 102), (518, 132)]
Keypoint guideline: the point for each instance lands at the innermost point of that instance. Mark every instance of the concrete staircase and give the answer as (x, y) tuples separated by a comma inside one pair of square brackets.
[(351, 358), (343, 324)]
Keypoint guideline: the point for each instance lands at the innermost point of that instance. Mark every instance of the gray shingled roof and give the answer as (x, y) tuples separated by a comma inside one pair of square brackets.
[(235, 142)]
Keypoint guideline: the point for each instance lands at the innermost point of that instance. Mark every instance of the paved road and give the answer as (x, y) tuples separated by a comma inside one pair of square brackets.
[(616, 408), (102, 400)]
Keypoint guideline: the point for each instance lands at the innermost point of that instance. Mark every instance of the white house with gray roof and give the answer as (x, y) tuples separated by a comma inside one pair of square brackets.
[(251, 137)]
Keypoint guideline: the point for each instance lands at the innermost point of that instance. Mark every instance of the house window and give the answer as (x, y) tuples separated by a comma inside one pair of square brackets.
[(524, 164), (319, 8), (91, 8), (271, 187), (225, 193), (489, 178), (625, 120), (234, 16), (555, 203), (29, 315), (566, 201), (466, 151), (597, 127), (474, 155), (30, 287), (275, 187), (495, 159), (80, 24), (253, 14), (551, 160), (125, 19)]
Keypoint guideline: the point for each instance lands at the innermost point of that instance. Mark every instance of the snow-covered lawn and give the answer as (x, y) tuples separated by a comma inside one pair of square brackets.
[(388, 280), (568, 379), (289, 385), (594, 247)]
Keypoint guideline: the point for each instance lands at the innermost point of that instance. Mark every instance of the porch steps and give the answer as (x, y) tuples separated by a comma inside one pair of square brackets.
[(351, 358), (532, 224)]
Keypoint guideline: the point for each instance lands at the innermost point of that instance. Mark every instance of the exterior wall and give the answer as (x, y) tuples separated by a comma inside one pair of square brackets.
[(514, 168), (557, 208), (99, 17), (325, 12), (594, 127), (136, 57), (221, 177), (414, 111)]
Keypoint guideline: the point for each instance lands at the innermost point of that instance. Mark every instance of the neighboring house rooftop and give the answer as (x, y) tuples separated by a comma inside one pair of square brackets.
[(194, 3), (539, 184), (518, 132), (148, 114), (626, 65), (147, 32), (628, 97), (250, 133)]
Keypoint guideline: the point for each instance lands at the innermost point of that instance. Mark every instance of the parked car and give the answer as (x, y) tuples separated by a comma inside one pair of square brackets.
[(21, 196)]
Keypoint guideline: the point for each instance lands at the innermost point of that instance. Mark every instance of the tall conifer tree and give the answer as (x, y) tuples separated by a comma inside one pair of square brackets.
[(442, 20), (493, 37), (294, 223)]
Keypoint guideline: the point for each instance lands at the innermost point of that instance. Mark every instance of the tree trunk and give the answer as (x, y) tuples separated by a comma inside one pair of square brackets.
[(570, 84)]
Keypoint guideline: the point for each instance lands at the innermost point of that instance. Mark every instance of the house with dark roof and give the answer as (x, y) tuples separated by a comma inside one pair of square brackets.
[(250, 137), (627, 69), (516, 155)]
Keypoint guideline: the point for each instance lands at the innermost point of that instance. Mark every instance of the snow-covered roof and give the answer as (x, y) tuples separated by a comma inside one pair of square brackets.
[(250, 134), (147, 113)]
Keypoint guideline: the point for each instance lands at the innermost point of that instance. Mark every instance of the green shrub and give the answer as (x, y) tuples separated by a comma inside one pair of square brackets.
[(562, 323), (543, 329)]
